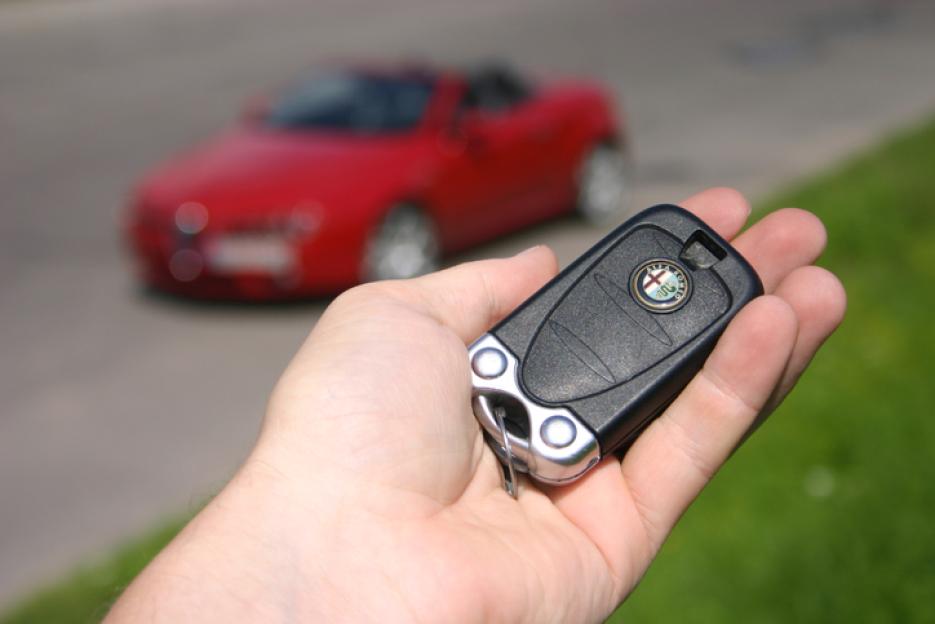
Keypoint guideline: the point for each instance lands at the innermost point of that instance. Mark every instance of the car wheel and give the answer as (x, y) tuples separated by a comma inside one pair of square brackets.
[(403, 245), (603, 184)]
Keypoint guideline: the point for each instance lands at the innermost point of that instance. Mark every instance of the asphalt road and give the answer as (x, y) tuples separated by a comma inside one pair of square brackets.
[(117, 408)]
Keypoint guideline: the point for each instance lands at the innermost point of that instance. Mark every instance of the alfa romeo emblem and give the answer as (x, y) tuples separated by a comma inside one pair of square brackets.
[(660, 286)]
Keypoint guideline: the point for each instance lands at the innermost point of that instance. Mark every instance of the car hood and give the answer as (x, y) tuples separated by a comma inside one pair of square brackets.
[(257, 168)]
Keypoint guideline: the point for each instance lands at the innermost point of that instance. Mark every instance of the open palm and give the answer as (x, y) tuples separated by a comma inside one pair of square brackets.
[(390, 501)]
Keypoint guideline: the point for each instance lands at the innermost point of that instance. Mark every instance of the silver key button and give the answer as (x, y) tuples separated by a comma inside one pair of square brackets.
[(489, 363), (558, 431)]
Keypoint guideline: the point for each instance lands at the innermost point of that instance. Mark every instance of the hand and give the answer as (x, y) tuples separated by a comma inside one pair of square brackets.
[(371, 494)]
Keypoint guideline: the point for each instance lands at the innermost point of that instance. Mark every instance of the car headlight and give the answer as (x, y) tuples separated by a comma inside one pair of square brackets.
[(191, 218)]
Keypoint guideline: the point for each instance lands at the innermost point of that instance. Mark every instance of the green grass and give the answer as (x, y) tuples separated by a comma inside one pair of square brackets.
[(86, 594), (828, 513)]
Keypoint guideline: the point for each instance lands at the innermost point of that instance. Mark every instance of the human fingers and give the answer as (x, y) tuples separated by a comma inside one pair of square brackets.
[(627, 509), (677, 455), (471, 297), (778, 245), (819, 301), (781, 242), (724, 209)]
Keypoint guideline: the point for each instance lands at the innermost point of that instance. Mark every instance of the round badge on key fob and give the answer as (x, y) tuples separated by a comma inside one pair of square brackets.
[(582, 366)]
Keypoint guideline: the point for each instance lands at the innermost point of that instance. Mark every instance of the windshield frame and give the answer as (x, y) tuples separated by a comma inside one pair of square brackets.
[(428, 84)]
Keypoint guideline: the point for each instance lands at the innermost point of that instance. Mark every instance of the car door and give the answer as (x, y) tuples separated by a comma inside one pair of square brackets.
[(537, 165), (490, 182)]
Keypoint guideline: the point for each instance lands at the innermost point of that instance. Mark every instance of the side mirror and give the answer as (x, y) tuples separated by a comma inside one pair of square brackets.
[(469, 130)]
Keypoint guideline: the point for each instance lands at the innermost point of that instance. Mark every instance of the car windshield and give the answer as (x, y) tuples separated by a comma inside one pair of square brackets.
[(358, 103)]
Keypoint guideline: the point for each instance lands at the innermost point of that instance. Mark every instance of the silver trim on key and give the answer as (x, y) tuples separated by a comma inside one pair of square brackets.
[(549, 463)]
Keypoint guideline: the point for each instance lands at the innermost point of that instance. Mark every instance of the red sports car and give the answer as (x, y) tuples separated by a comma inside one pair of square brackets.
[(360, 173)]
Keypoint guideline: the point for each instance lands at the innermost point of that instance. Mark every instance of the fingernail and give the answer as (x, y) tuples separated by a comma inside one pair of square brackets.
[(527, 251)]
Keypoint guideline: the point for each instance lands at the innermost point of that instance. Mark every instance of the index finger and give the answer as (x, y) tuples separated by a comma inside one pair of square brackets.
[(725, 210)]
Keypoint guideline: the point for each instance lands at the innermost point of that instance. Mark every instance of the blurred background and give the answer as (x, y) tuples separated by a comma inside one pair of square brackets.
[(122, 411)]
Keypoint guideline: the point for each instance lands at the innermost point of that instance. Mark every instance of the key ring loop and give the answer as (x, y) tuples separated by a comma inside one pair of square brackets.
[(510, 483), (508, 468)]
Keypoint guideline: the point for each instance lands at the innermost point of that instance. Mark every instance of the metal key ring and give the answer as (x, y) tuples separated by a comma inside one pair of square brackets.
[(538, 450), (508, 471), (510, 483)]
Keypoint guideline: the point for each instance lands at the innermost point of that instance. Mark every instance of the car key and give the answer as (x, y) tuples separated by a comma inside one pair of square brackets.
[(582, 366)]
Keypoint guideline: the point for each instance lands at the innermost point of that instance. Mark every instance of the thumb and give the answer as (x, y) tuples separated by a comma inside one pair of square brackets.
[(471, 297)]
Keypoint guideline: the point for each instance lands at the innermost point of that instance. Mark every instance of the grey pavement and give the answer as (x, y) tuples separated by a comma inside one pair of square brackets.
[(118, 408)]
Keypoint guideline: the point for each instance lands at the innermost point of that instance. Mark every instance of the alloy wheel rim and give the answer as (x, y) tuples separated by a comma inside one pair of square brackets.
[(603, 184), (405, 246)]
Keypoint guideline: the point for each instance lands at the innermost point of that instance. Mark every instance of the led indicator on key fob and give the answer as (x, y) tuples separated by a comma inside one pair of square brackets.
[(577, 370)]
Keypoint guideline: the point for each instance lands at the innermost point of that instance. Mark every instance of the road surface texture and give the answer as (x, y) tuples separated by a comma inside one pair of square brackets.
[(117, 408)]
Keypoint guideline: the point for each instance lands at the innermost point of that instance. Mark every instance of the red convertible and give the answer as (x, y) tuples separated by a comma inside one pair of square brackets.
[(360, 173)]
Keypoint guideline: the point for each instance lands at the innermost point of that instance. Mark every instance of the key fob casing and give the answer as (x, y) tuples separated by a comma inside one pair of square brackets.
[(591, 358)]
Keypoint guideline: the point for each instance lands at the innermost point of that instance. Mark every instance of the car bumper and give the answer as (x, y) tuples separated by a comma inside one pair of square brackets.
[(200, 268)]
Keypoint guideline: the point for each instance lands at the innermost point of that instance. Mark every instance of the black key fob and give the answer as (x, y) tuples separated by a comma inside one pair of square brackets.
[(584, 364)]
